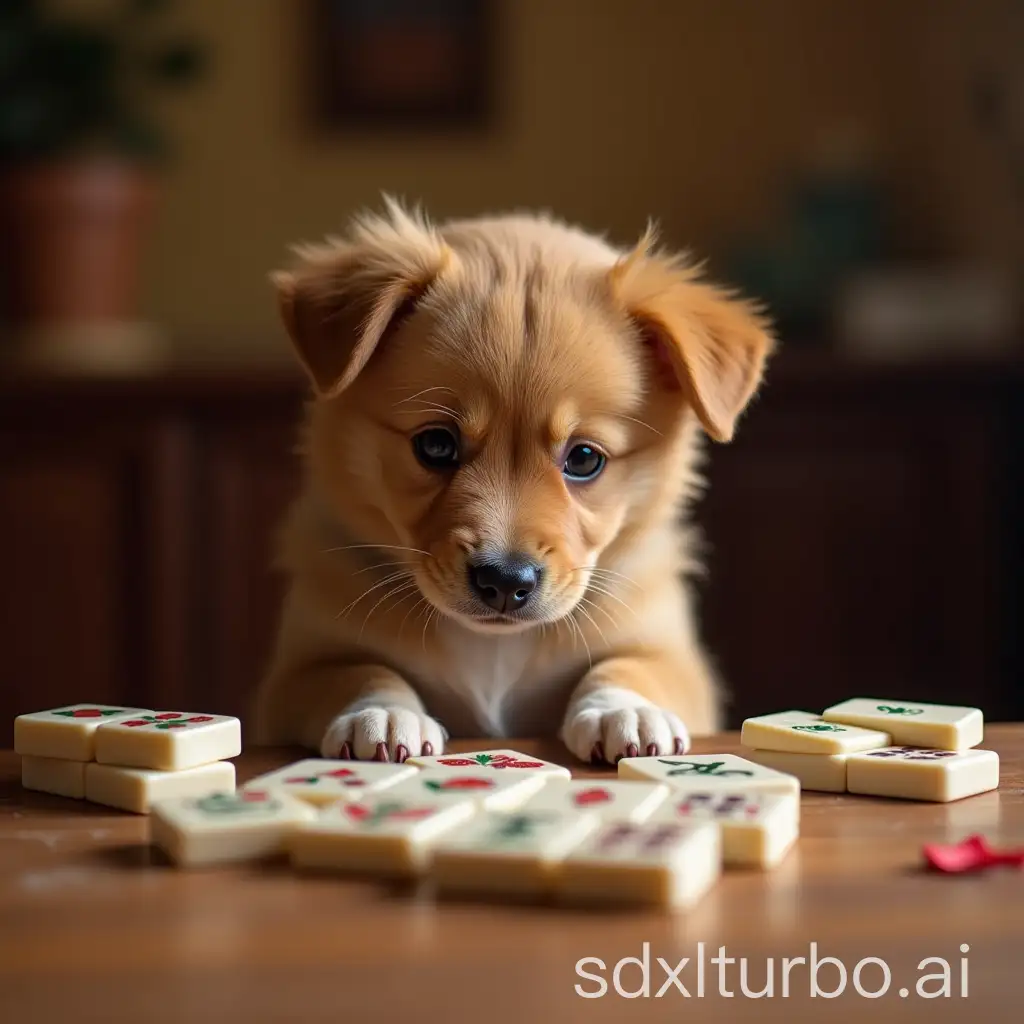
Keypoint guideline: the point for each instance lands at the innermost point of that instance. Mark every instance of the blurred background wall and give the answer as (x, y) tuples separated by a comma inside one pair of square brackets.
[(696, 112)]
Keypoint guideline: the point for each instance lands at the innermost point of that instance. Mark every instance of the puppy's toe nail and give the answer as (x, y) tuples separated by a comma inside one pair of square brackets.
[(632, 751), (345, 754), (428, 750), (652, 749), (679, 746), (597, 754), (382, 752), (401, 753)]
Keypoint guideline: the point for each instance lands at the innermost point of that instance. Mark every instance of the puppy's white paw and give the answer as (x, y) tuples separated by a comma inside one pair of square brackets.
[(375, 733), (610, 723)]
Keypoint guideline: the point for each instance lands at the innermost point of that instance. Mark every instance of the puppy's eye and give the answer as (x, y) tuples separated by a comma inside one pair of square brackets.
[(436, 448), (583, 462)]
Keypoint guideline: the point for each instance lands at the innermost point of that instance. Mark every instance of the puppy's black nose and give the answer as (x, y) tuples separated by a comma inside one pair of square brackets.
[(506, 583)]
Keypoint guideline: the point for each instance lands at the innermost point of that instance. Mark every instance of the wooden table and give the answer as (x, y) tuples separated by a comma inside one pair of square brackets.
[(95, 927)]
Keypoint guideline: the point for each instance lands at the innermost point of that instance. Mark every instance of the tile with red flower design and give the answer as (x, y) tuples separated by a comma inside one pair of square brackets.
[(320, 781), (511, 761), (611, 799), (491, 790), (68, 733), (385, 834), (168, 740), (227, 827)]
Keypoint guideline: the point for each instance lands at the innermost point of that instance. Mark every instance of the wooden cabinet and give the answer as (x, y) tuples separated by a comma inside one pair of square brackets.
[(863, 537)]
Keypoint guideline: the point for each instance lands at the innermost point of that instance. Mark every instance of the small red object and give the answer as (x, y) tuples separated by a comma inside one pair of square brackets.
[(972, 854), (87, 713), (168, 715), (587, 797)]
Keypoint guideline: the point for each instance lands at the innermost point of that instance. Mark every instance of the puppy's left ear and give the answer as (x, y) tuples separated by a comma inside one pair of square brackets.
[(706, 342)]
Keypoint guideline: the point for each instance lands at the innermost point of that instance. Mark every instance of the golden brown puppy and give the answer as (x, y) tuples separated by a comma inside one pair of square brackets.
[(502, 444)]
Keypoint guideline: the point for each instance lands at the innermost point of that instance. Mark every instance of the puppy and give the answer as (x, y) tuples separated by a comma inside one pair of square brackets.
[(499, 454)]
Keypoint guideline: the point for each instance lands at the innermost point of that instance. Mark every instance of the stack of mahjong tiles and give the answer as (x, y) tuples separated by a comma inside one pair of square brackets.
[(493, 822), (878, 747), (127, 758)]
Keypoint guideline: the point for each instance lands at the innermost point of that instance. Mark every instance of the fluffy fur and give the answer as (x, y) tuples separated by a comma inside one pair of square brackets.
[(522, 336)]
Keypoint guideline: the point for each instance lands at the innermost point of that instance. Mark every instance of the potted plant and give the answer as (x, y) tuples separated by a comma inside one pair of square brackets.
[(77, 158)]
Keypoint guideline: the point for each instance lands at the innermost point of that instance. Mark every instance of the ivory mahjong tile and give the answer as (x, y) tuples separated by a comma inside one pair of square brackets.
[(168, 740), (918, 773), (509, 854), (382, 835), (612, 800), (823, 773), (663, 864), (724, 773), (797, 732), (320, 781), (492, 760), (758, 829), (53, 775), (223, 828), (68, 733), (912, 723), (489, 790), (137, 789)]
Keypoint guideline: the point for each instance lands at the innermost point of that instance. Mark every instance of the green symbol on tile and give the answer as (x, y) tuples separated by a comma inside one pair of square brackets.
[(887, 710), (713, 768), (818, 728)]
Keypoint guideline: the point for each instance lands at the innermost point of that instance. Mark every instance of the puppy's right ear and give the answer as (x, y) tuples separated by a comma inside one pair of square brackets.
[(345, 295)]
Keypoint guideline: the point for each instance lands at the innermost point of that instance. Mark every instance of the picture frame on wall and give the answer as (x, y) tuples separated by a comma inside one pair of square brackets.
[(403, 64)]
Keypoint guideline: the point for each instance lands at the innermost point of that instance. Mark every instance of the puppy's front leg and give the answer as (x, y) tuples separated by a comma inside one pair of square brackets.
[(364, 711), (639, 705)]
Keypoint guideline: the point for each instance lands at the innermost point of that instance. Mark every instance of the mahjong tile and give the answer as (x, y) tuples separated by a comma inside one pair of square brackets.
[(68, 733), (137, 789), (942, 726), (611, 800), (492, 760), (490, 790), (509, 854), (797, 732), (918, 773), (758, 829), (320, 781), (824, 773), (382, 835), (222, 828), (53, 775), (664, 864), (723, 772), (168, 740)]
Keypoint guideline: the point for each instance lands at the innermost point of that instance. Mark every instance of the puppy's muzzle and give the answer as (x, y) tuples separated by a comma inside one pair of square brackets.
[(505, 583)]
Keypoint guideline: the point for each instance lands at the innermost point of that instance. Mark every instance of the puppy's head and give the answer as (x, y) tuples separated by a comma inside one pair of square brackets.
[(506, 400)]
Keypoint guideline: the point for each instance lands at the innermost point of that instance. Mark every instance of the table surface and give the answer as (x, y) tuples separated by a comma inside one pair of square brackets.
[(94, 925)]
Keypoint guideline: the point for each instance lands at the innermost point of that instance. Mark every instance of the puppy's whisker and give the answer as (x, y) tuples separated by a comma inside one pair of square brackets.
[(600, 608), (597, 570), (641, 423), (425, 391), (382, 565), (435, 407), (391, 593), (394, 577), (381, 547), (426, 622), (422, 601), (590, 619), (576, 626), (612, 597)]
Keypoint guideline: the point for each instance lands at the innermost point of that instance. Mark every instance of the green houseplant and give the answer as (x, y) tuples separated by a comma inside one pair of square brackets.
[(78, 151)]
